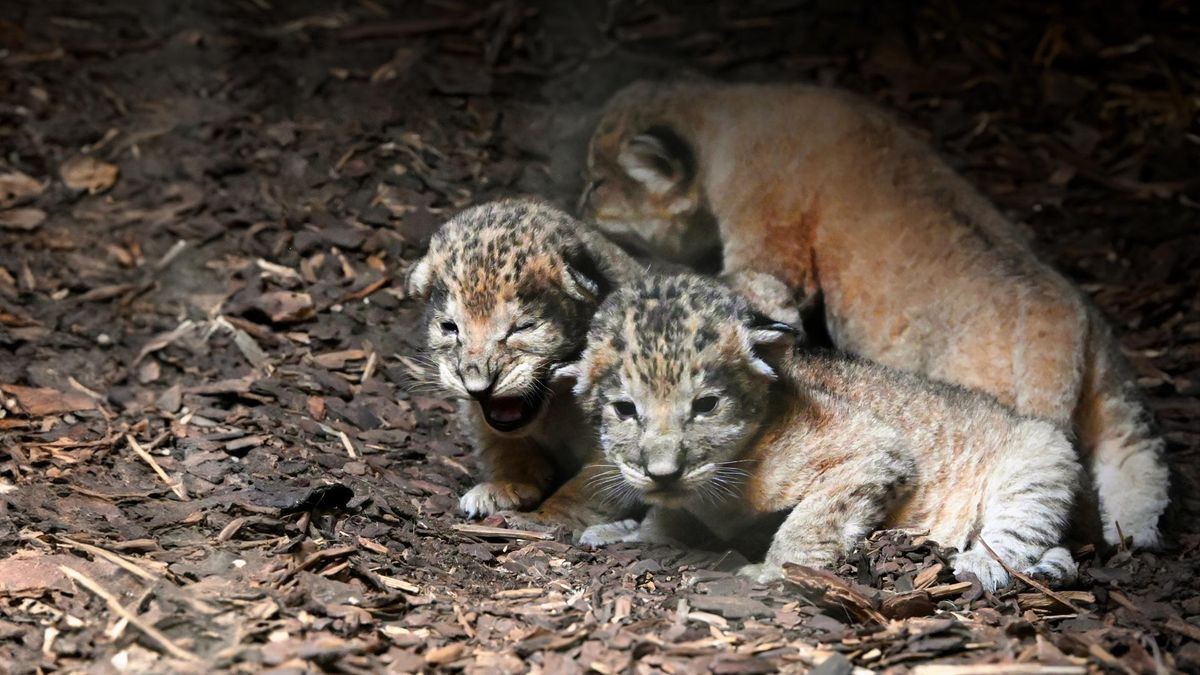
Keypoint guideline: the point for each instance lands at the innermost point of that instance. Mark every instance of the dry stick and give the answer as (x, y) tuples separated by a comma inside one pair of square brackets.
[(348, 445), (118, 560), (175, 487), (115, 605), (500, 532), (118, 629), (1032, 582)]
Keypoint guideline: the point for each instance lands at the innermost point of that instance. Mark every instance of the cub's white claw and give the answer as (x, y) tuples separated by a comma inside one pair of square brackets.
[(762, 573), (495, 496), (609, 533), (991, 574)]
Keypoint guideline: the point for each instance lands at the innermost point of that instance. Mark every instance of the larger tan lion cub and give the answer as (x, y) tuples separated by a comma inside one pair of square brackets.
[(917, 270)]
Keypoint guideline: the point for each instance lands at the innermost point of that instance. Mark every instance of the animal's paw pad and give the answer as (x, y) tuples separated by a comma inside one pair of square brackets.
[(495, 496), (988, 570), (609, 533), (762, 573)]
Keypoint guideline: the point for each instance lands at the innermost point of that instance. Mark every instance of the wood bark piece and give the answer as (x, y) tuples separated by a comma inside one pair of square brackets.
[(827, 590), (41, 401)]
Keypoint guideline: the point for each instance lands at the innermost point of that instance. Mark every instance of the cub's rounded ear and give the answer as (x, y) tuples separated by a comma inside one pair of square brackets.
[(767, 294), (582, 278), (419, 281), (767, 331), (763, 337), (658, 159), (571, 372)]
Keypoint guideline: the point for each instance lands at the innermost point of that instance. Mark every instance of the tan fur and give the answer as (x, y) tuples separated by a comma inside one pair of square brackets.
[(511, 288), (917, 270), (843, 446)]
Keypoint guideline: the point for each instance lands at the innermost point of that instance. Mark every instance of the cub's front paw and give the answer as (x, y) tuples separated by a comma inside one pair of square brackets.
[(609, 533), (763, 573), (495, 496), (988, 570)]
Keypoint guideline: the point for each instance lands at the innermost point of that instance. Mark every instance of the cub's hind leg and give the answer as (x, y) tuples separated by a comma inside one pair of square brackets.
[(1027, 505)]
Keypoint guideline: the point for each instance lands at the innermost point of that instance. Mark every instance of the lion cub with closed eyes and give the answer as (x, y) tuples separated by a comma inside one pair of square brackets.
[(695, 412), (511, 287)]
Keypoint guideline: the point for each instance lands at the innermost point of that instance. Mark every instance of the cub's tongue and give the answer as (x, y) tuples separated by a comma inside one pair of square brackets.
[(506, 410)]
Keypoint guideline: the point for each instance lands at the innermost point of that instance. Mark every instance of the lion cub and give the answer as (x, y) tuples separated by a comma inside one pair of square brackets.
[(678, 378), (916, 270), (511, 288)]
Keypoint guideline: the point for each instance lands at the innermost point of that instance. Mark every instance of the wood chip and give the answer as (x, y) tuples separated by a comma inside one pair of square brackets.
[(827, 590), (40, 401), (84, 172), (488, 531)]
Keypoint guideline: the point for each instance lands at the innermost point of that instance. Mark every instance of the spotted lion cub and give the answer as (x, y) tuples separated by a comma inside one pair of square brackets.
[(511, 287), (913, 267), (702, 406)]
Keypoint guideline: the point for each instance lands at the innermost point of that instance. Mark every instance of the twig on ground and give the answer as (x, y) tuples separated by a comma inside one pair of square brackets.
[(118, 560), (149, 459), (115, 605), (1033, 583), (501, 532)]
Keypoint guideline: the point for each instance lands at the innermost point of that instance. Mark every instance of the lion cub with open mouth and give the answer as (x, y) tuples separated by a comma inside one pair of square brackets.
[(511, 287), (678, 378)]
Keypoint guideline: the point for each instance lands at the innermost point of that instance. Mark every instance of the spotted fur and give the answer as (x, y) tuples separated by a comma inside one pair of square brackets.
[(700, 409), (511, 287), (914, 268)]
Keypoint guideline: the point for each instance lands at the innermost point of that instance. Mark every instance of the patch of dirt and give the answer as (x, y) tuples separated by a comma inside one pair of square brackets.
[(211, 451)]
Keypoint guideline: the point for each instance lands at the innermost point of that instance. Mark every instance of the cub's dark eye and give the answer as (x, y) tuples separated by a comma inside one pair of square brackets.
[(704, 405), (625, 409), (522, 327), (449, 327)]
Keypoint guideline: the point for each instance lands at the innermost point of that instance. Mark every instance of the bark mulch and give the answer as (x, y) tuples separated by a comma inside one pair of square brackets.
[(213, 455)]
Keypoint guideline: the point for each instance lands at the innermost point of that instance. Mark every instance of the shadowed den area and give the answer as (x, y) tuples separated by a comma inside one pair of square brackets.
[(232, 439)]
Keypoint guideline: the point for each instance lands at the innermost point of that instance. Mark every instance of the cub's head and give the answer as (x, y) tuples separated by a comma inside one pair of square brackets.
[(643, 187), (675, 380), (511, 289)]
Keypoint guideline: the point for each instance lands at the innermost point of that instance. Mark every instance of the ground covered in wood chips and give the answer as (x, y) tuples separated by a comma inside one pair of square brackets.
[(210, 454)]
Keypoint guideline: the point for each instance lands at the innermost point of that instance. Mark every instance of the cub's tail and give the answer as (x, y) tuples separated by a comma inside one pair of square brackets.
[(1120, 445)]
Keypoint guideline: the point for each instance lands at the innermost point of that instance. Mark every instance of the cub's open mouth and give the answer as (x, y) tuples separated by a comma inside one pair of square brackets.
[(509, 413)]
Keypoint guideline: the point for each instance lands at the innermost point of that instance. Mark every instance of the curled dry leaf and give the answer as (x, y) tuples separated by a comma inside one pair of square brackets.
[(18, 188), (88, 173), (22, 219)]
